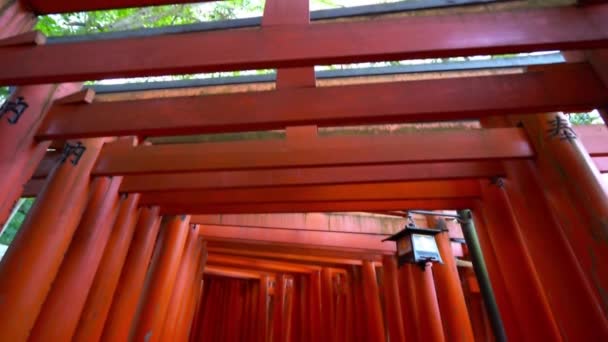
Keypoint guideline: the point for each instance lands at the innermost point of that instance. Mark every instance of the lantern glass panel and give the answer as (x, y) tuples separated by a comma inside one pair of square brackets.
[(404, 245), (425, 247)]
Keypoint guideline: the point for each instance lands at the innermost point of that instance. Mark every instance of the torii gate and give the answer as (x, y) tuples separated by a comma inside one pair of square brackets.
[(120, 236)]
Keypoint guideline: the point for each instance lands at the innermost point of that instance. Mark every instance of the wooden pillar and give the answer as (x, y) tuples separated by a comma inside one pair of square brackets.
[(61, 311), (262, 317), (277, 308), (288, 310), (483, 219), (548, 248), (349, 329), (315, 306), (19, 153), (540, 195), (372, 302), (42, 242), (162, 280), (407, 297), (130, 285), (327, 304), (393, 313), (93, 317), (576, 193), (429, 317), (455, 315), (190, 312), (525, 292), (15, 18), (183, 281)]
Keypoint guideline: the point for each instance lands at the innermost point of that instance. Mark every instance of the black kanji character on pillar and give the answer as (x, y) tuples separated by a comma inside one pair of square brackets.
[(76, 150), (16, 107), (562, 129)]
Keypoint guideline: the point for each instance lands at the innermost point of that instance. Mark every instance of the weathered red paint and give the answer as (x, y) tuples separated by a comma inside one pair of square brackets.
[(329, 43)]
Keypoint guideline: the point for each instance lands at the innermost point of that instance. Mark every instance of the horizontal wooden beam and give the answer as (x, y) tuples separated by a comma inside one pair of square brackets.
[(439, 146), (296, 207), (348, 241), (311, 176), (304, 45), (65, 6), (295, 252), (293, 257), (594, 139), (567, 87), (233, 272), (260, 264), (326, 193)]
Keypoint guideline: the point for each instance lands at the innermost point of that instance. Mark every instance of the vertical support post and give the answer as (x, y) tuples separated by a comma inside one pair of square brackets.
[(154, 309), (393, 300), (525, 291), (61, 311), (429, 316), (278, 314), (456, 321), (19, 153), (576, 193), (15, 18), (93, 317), (190, 313), (263, 309), (327, 304), (372, 302), (42, 242), (407, 296), (468, 229), (315, 306), (183, 281), (538, 200), (131, 282), (288, 310)]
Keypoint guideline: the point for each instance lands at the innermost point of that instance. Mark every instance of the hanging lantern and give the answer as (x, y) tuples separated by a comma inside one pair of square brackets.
[(416, 245)]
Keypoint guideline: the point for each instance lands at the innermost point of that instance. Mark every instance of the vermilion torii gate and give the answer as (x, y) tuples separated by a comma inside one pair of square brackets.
[(134, 233)]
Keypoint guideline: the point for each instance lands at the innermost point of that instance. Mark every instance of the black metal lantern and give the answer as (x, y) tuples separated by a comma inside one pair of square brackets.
[(416, 245)]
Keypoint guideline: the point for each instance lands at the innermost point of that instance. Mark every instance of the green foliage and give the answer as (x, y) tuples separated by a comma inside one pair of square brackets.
[(144, 17), (584, 118), (13, 227), (4, 91)]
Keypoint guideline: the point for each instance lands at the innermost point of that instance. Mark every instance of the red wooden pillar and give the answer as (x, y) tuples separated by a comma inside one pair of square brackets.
[(548, 248), (262, 317), (130, 285), (182, 284), (278, 308), (327, 304), (162, 280), (349, 308), (190, 312), (372, 302), (42, 242), (538, 198), (525, 292), (15, 18), (455, 316), (576, 192), (92, 319), (19, 153), (483, 219), (407, 296), (288, 310), (315, 306), (61, 311), (429, 325), (210, 312), (393, 300)]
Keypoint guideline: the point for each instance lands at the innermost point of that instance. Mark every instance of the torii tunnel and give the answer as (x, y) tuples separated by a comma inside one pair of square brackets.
[(255, 208)]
